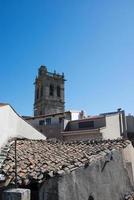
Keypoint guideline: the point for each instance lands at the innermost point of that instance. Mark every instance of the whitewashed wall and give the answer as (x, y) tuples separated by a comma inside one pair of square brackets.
[(112, 129), (75, 115), (11, 125)]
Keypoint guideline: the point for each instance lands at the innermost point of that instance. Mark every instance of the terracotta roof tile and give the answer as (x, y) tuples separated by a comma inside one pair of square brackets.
[(39, 159), (129, 196)]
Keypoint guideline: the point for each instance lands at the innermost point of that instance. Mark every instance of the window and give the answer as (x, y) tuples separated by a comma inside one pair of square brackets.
[(48, 121), (86, 124), (37, 93), (41, 122), (41, 91), (51, 90), (60, 120), (58, 91)]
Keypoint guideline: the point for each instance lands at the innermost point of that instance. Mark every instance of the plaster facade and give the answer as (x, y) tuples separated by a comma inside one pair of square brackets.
[(12, 125), (52, 125), (96, 181), (106, 125)]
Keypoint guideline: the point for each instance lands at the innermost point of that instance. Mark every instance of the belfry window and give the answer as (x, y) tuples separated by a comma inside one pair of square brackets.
[(58, 91), (41, 91), (51, 90), (37, 93)]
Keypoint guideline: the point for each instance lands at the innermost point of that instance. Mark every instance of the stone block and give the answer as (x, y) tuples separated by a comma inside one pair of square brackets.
[(16, 194)]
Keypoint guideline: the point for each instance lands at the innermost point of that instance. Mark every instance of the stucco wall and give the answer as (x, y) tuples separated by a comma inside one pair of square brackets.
[(110, 183), (75, 115), (11, 125), (128, 157), (112, 129)]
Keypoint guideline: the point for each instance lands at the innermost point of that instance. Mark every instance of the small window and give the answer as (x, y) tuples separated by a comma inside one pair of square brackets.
[(41, 91), (51, 90), (41, 122), (60, 120), (58, 91), (48, 121), (37, 93), (86, 124)]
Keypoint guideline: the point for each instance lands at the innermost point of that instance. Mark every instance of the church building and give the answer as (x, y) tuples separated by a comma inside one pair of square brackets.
[(49, 92)]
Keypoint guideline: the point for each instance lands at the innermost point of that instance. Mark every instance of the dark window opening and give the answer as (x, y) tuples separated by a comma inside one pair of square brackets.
[(40, 113), (41, 92), (51, 90), (37, 93), (60, 120), (58, 91), (90, 198), (48, 121), (86, 124), (41, 122)]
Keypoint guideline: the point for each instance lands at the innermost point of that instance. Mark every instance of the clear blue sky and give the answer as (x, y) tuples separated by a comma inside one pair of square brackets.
[(91, 41)]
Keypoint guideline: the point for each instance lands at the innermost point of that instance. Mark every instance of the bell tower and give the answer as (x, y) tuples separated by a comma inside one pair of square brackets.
[(49, 92)]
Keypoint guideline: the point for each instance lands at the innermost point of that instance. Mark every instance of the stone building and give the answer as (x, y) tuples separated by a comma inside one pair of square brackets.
[(54, 170), (49, 92)]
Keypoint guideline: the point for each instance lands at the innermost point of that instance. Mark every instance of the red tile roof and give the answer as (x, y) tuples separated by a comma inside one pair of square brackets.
[(37, 160)]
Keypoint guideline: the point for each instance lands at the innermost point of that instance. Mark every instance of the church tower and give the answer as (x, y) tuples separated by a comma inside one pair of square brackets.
[(49, 92)]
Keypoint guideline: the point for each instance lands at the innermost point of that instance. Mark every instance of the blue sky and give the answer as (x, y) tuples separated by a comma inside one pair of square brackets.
[(91, 41)]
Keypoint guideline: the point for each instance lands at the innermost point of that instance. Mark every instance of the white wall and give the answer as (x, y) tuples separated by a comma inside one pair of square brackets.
[(112, 129), (11, 125), (75, 115)]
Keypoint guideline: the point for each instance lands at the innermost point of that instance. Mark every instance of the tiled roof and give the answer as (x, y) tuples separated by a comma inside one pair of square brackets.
[(129, 196), (38, 160), (44, 116)]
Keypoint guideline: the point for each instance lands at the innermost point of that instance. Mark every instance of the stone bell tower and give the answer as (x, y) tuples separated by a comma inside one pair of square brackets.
[(49, 92)]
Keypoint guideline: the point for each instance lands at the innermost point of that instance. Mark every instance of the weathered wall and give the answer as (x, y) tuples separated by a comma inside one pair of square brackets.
[(51, 131), (44, 102), (128, 157), (81, 135), (49, 190), (110, 184)]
